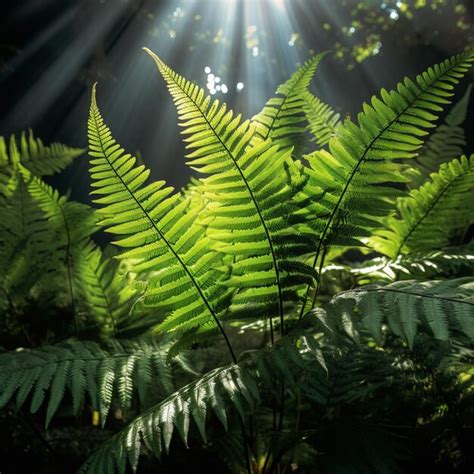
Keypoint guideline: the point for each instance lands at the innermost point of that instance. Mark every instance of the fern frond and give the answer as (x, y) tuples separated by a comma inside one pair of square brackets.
[(362, 165), (283, 119), (431, 216), (252, 183), (70, 225), (447, 141), (159, 233), (39, 159), (107, 374), (449, 262), (104, 293), (323, 122), (24, 245), (442, 308), (235, 386)]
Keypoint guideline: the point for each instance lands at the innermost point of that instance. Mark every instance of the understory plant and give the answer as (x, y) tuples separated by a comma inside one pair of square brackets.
[(305, 303)]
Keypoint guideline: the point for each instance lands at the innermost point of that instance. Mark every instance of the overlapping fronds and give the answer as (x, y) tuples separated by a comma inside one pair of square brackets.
[(158, 232), (24, 245), (322, 120), (38, 158), (237, 386), (105, 294), (71, 222), (283, 119), (355, 178), (254, 184), (431, 216), (442, 308), (446, 142), (106, 375)]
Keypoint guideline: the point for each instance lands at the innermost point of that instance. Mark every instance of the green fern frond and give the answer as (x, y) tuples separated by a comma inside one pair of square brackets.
[(443, 308), (235, 386), (107, 374), (39, 159), (159, 233), (24, 246), (355, 183), (431, 216), (323, 122), (70, 225), (447, 141), (105, 294), (283, 119), (448, 262), (252, 183), (353, 179)]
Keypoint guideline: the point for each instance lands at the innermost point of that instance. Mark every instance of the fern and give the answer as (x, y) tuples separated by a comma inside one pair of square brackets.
[(115, 370), (444, 143), (431, 216), (24, 246), (235, 386), (253, 183), (443, 307), (71, 224), (447, 262), (323, 122), (161, 235), (362, 163), (39, 159), (105, 295), (283, 119)]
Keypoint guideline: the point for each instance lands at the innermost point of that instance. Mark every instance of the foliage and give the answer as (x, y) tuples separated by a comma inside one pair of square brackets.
[(222, 296)]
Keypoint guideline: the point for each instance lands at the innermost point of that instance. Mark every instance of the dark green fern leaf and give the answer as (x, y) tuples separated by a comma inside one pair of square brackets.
[(236, 386), (38, 158), (442, 308), (107, 374)]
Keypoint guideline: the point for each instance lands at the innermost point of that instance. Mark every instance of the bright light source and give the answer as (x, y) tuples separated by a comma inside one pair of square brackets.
[(280, 4), (255, 51), (394, 15), (224, 89), (240, 86), (207, 69), (217, 79)]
